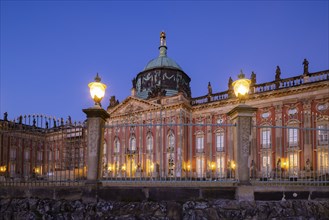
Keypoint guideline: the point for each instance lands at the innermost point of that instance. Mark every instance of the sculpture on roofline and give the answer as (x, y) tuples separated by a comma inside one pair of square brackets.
[(305, 63)]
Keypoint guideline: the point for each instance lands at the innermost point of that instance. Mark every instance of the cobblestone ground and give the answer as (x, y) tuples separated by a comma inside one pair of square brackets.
[(33, 208)]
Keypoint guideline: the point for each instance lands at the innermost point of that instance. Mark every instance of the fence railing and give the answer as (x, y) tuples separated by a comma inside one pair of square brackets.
[(294, 155), (40, 150), (166, 148)]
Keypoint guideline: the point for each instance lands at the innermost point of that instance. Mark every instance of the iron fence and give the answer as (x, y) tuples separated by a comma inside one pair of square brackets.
[(165, 148), (294, 151), (40, 150), (168, 146)]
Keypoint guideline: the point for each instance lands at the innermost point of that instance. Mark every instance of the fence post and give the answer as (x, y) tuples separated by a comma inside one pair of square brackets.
[(96, 117), (241, 115)]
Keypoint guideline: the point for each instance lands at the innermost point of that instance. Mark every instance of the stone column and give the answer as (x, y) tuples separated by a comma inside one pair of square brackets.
[(242, 117), (96, 117)]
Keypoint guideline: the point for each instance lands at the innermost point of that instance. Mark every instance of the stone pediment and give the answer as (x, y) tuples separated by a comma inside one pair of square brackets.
[(132, 105)]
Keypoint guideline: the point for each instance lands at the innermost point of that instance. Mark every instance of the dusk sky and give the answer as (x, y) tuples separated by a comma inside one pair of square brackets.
[(51, 50)]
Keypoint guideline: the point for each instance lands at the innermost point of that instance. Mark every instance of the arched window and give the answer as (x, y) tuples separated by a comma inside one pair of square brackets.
[(104, 147), (171, 140), (199, 142), (266, 138), (220, 140), (116, 145), (293, 151), (132, 143), (149, 142)]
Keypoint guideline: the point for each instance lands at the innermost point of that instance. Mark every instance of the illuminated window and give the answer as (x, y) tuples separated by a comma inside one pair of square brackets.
[(266, 161), (293, 159), (323, 161), (200, 165), (220, 166)]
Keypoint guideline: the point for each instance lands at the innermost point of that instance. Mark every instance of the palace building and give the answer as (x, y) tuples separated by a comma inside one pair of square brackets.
[(160, 131)]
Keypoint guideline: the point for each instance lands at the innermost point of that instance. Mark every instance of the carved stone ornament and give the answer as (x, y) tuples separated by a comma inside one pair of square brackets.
[(322, 106), (245, 133), (292, 111), (265, 115), (93, 136)]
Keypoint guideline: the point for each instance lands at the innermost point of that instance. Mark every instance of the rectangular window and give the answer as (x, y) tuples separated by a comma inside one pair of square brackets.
[(323, 161), (220, 141), (116, 146), (12, 168), (199, 144), (57, 154), (266, 161), (200, 166), (293, 136), (322, 135), (27, 155), (39, 156), (50, 155), (12, 154), (149, 143), (293, 159), (221, 166), (266, 138)]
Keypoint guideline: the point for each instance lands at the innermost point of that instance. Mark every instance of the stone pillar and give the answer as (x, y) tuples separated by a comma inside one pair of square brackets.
[(96, 117), (242, 117)]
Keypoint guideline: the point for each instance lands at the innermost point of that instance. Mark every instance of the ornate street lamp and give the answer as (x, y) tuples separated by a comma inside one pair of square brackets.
[(241, 115), (241, 87), (96, 118), (97, 90)]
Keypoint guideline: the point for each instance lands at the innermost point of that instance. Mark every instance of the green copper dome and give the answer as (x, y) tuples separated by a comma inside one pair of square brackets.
[(162, 60), (161, 77)]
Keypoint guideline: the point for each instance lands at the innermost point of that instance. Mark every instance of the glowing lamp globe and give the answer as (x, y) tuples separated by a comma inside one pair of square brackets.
[(97, 90), (241, 86)]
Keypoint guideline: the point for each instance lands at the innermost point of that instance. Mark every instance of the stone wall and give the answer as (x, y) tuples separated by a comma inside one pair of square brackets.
[(97, 202), (34, 208)]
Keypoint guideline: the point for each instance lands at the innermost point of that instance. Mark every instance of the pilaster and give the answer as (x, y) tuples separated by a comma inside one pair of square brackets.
[(96, 117), (242, 117)]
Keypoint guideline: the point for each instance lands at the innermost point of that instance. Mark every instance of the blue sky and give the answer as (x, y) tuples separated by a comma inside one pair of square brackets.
[(51, 50)]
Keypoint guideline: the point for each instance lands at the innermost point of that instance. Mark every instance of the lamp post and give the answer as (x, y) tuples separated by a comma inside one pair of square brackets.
[(241, 87), (96, 117), (97, 90), (241, 115)]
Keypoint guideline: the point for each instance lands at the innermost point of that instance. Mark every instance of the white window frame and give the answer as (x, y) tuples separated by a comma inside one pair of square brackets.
[(200, 166), (322, 135), (116, 145), (199, 140), (220, 140), (132, 143), (266, 137), (149, 142), (220, 163), (293, 137)]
